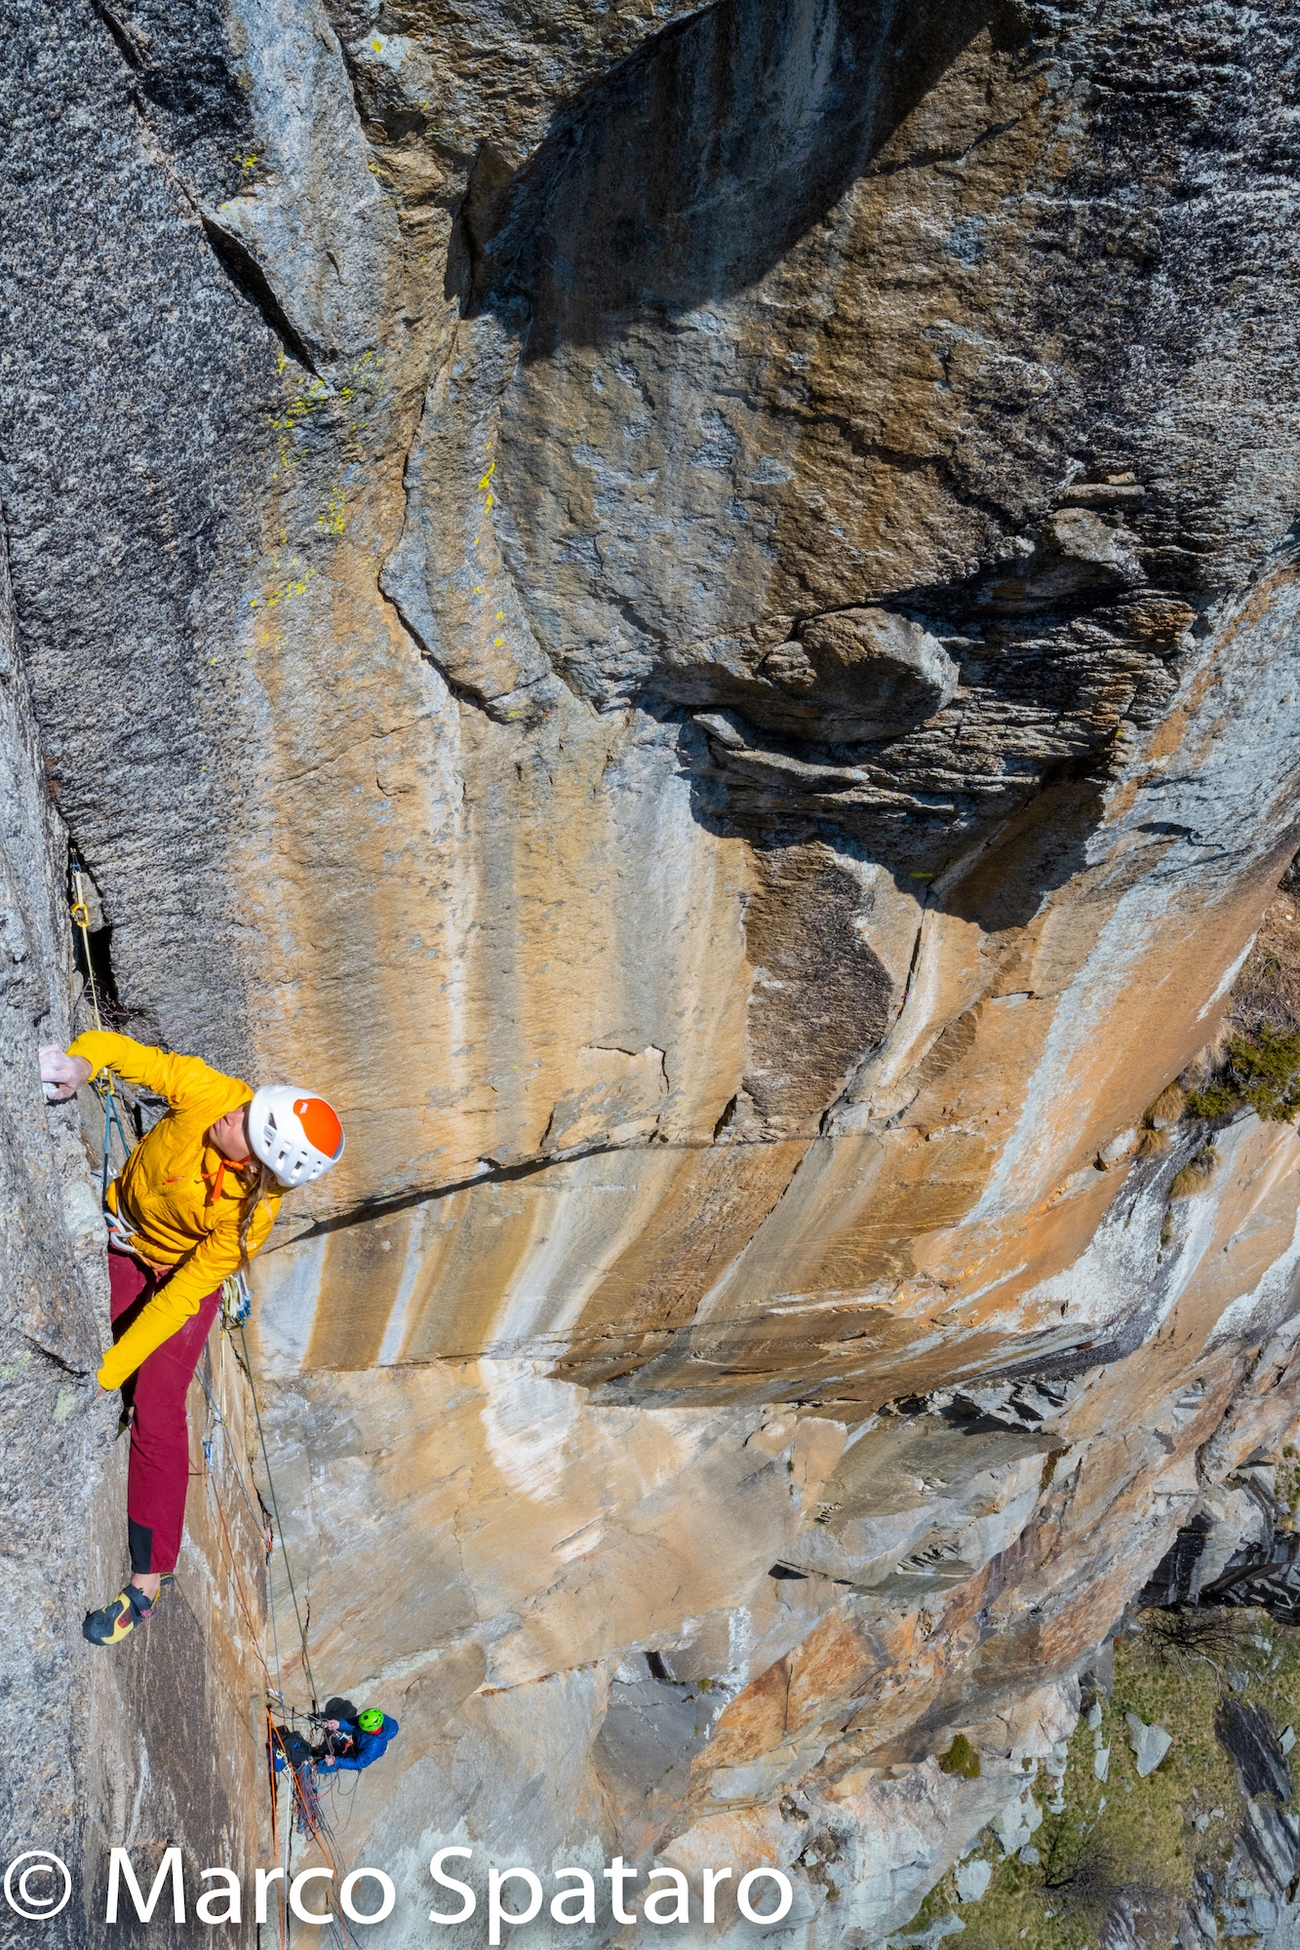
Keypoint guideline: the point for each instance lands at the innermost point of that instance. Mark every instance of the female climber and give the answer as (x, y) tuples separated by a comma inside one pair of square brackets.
[(194, 1201)]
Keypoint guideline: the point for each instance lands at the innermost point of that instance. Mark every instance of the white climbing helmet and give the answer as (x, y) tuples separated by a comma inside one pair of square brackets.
[(298, 1136)]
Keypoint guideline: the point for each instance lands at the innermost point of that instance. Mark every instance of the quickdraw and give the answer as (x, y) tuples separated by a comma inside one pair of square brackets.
[(236, 1301)]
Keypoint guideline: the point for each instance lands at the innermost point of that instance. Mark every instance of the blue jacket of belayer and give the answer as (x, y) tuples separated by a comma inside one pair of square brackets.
[(369, 1746)]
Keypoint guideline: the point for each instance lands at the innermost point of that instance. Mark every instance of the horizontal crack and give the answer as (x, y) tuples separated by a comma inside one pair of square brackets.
[(383, 1208)]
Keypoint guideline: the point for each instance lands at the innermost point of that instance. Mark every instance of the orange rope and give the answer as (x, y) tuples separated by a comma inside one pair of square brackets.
[(305, 1806), (253, 1633), (239, 1582), (276, 1737)]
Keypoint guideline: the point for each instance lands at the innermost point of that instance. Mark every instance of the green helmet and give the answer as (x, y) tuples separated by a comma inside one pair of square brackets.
[(370, 1721)]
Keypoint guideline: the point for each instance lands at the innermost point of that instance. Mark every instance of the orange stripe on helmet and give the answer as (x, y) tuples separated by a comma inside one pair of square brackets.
[(320, 1124)]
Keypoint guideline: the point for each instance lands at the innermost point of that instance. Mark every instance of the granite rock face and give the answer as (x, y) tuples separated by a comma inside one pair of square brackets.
[(692, 611), (98, 1751)]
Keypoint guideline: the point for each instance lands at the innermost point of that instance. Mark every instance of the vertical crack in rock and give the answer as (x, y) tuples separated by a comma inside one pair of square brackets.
[(252, 281)]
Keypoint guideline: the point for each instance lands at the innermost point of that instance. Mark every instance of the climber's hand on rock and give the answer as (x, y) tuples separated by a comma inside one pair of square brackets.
[(329, 1760), (61, 1074)]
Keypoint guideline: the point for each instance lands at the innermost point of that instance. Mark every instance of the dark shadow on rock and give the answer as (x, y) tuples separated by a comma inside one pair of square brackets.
[(691, 169), (1018, 852), (188, 1727), (682, 177), (1246, 1731), (1042, 848)]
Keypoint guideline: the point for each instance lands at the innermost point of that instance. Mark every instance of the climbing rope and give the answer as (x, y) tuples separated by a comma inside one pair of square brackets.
[(268, 1523), (219, 1421), (236, 1304), (104, 1083), (261, 1518), (309, 1786), (240, 1592), (279, 1527), (311, 1820), (275, 1636), (247, 1610)]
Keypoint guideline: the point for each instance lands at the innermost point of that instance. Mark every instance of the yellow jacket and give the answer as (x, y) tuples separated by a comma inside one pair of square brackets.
[(182, 1199)]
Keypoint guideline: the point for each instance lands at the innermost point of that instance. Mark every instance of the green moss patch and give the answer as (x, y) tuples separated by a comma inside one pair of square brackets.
[(1140, 1839), (1262, 1070), (961, 1759)]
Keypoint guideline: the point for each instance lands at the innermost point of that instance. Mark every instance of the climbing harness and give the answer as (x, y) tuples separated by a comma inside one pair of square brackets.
[(104, 1083)]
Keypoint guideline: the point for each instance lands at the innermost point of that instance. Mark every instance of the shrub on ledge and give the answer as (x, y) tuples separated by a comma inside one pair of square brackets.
[(1262, 1072)]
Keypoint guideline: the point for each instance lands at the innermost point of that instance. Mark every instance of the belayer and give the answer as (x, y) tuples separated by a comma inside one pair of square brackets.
[(354, 1740), (194, 1201), (350, 1740)]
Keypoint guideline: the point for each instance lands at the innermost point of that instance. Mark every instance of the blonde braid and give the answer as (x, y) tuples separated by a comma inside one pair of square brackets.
[(256, 1192)]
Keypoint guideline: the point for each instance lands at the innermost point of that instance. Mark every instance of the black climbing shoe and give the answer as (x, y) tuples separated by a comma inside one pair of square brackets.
[(118, 1619)]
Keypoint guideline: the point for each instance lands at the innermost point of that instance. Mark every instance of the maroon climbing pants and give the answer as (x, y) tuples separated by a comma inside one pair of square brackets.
[(158, 1474)]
